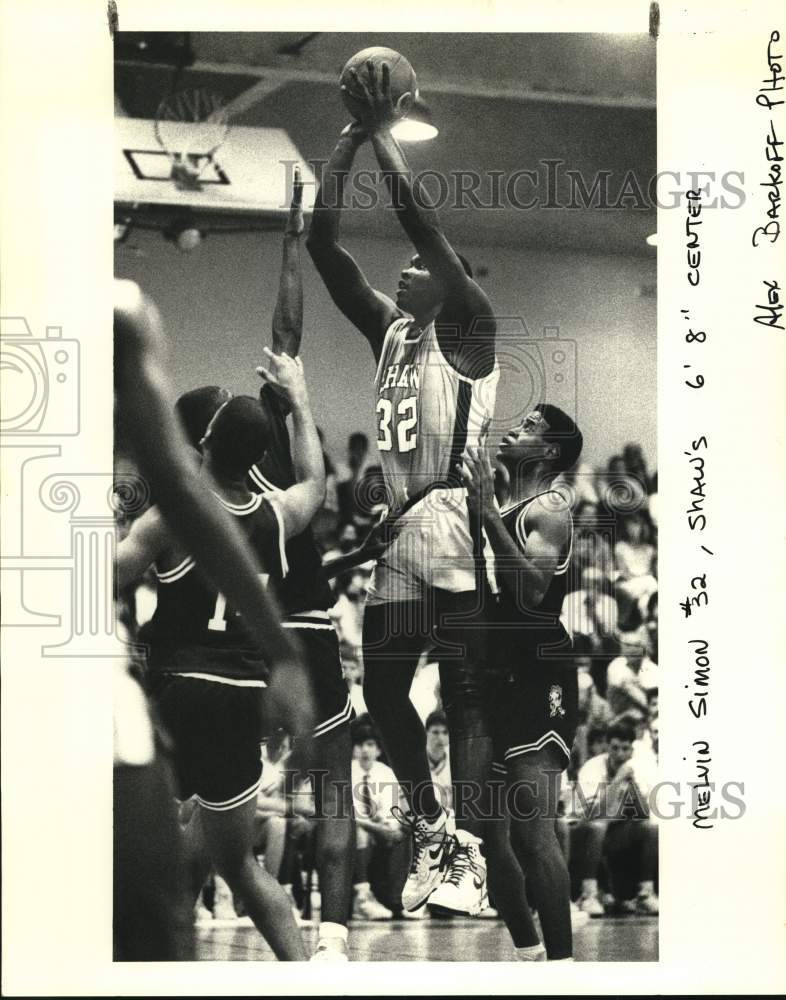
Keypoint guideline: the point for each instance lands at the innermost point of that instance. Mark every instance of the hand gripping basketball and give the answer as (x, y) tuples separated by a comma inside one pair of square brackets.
[(372, 93)]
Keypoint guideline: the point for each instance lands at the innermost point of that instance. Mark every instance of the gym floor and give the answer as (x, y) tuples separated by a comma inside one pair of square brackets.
[(609, 939)]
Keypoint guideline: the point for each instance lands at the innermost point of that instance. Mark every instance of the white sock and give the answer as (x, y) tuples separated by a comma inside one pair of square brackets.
[(589, 887), (561, 959), (646, 888), (362, 888), (328, 929), (531, 953)]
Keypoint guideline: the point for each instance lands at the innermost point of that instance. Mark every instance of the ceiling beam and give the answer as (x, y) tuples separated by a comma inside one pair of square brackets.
[(273, 77)]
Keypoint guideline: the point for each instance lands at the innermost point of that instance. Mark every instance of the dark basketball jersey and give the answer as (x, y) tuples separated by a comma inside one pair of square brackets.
[(519, 624), (193, 629), (305, 587)]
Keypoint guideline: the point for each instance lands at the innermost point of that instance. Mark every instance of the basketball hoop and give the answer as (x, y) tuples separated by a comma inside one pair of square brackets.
[(190, 150)]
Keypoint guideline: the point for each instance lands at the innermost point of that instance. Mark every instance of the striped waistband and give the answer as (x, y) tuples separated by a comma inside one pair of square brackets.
[(308, 619), (218, 679)]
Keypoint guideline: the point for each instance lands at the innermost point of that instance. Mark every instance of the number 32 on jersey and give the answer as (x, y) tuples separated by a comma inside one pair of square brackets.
[(399, 424)]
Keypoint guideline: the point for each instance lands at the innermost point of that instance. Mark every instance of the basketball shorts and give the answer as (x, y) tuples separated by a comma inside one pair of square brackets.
[(433, 548), (533, 706), (217, 729), (318, 644)]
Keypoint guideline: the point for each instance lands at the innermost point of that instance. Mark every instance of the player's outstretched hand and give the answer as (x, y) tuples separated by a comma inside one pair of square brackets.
[(383, 533), (295, 226), (286, 376), (379, 110), (478, 477)]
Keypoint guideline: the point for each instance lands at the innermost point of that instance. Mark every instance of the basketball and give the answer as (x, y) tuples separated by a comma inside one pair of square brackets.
[(402, 75)]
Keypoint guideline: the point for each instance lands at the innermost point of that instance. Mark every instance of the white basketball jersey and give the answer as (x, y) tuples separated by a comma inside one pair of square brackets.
[(426, 412)]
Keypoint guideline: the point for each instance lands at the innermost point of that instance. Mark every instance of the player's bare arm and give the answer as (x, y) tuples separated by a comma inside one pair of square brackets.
[(466, 307), (379, 539), (300, 502), (288, 314), (369, 310), (144, 543), (526, 574)]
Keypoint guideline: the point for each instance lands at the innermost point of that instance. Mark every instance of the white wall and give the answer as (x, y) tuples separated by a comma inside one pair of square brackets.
[(217, 304)]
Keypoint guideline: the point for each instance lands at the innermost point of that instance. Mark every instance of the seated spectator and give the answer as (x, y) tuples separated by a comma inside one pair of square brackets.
[(634, 555), (645, 754), (651, 625), (636, 466), (611, 801), (630, 678), (438, 753), (618, 490), (594, 715), (590, 615), (597, 741), (652, 502), (357, 461), (371, 497), (592, 610), (380, 837), (591, 543), (353, 675), (347, 614)]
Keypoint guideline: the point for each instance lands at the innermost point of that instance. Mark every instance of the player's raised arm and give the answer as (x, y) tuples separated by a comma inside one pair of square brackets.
[(163, 456), (369, 310), (300, 502), (143, 544), (288, 314), (524, 573), (466, 304)]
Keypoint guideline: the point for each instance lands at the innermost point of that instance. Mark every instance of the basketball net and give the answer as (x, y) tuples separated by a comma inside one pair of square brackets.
[(190, 150)]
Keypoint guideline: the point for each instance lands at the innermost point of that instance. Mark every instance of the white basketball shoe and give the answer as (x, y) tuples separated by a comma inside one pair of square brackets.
[(464, 886), (432, 845)]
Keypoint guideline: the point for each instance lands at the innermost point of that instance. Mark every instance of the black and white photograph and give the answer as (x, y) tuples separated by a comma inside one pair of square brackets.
[(342, 556), (462, 543)]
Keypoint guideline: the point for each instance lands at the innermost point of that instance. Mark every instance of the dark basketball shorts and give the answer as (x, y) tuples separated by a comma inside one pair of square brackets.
[(217, 729), (318, 644), (534, 706), (452, 627)]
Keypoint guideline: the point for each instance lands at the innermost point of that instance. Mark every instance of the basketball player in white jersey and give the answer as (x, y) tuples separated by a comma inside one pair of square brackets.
[(435, 386)]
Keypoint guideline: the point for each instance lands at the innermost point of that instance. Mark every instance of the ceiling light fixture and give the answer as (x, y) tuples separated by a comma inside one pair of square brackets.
[(418, 125)]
